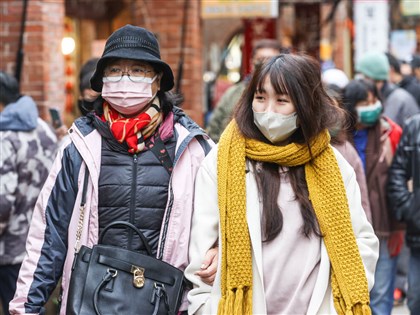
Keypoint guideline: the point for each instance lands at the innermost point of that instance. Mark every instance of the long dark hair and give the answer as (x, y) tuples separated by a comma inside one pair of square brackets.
[(299, 77)]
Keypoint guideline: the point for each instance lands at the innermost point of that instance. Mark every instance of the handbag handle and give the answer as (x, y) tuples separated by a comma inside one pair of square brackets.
[(125, 224), (82, 212)]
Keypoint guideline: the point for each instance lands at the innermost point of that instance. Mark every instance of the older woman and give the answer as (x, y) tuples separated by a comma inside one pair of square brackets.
[(142, 153)]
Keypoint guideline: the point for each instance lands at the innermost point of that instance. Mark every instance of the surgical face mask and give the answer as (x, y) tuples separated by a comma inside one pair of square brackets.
[(128, 97), (274, 126), (369, 115)]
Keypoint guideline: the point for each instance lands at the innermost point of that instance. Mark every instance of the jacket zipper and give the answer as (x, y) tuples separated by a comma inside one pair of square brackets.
[(132, 200)]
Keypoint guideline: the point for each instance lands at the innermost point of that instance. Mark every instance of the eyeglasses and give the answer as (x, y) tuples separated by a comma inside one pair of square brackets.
[(135, 74)]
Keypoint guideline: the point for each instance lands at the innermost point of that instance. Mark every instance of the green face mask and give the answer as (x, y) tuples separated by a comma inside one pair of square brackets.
[(369, 115)]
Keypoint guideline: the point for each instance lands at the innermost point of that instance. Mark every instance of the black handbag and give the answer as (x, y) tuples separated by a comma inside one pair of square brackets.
[(108, 279)]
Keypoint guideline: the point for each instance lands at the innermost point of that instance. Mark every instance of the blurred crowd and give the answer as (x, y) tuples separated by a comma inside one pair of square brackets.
[(377, 131)]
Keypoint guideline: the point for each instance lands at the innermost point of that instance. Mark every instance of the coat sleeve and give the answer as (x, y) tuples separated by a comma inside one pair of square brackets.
[(366, 239), (8, 182), (46, 245), (204, 231), (401, 199)]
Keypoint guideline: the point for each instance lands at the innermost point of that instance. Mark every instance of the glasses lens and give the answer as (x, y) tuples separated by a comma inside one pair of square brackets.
[(112, 78), (138, 79)]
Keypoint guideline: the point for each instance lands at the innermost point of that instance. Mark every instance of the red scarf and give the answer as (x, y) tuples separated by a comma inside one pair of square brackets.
[(134, 130)]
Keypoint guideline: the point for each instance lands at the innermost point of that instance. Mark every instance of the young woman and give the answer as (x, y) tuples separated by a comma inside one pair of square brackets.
[(282, 204), (142, 153)]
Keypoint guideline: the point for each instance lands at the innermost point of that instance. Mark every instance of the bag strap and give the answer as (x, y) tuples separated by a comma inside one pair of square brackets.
[(110, 273), (159, 150), (82, 212)]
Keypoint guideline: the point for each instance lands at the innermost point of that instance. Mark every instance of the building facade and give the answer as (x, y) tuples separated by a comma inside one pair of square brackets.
[(191, 43)]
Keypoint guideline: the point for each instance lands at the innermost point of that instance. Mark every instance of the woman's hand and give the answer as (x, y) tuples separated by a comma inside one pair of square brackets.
[(209, 266)]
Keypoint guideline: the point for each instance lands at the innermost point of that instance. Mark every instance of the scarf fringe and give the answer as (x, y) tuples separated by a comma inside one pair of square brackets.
[(236, 302), (356, 309)]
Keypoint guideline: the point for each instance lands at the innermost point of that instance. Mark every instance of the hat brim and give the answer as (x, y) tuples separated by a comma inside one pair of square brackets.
[(166, 82)]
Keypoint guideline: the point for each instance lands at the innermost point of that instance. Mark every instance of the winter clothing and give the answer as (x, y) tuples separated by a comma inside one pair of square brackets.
[(21, 115), (124, 175), (399, 105), (25, 160), (412, 86), (137, 43), (136, 130), (351, 156), (415, 62), (350, 288), (222, 114), (27, 150), (57, 212), (8, 276), (335, 76), (205, 232), (382, 139), (381, 144), (374, 65), (405, 200)]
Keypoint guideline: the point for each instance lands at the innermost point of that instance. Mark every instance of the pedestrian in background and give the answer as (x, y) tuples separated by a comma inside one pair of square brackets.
[(412, 86), (263, 49), (27, 150), (404, 198), (375, 137), (415, 66), (407, 82), (283, 205), (398, 104), (340, 141), (87, 95), (142, 154)]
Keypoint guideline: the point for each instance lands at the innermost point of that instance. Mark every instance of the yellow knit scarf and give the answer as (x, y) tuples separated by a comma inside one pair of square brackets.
[(328, 196)]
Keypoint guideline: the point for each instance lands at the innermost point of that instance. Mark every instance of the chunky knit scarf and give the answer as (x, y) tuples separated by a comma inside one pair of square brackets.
[(134, 130), (328, 196)]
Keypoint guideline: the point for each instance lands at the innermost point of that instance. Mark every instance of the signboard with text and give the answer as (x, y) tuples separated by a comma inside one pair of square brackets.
[(215, 9), (255, 29), (371, 26)]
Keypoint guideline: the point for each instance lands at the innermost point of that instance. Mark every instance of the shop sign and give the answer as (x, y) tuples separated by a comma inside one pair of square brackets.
[(214, 9), (410, 7), (371, 26), (403, 44)]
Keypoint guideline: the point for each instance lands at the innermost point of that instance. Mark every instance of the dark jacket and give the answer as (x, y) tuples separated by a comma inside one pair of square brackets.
[(403, 173), (412, 86), (123, 176)]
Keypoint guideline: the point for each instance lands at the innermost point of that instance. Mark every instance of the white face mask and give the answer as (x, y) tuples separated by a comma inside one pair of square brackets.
[(128, 97), (275, 127)]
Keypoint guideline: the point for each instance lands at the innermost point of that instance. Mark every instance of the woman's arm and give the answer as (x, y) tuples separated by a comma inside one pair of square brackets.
[(204, 231)]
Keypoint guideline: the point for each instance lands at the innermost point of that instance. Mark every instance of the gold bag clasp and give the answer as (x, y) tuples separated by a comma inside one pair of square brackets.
[(138, 276)]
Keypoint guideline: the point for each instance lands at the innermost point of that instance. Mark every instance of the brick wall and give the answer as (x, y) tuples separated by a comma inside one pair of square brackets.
[(42, 74), (164, 18)]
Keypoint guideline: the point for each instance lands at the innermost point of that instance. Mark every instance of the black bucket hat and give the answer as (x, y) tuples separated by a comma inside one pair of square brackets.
[(137, 43)]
